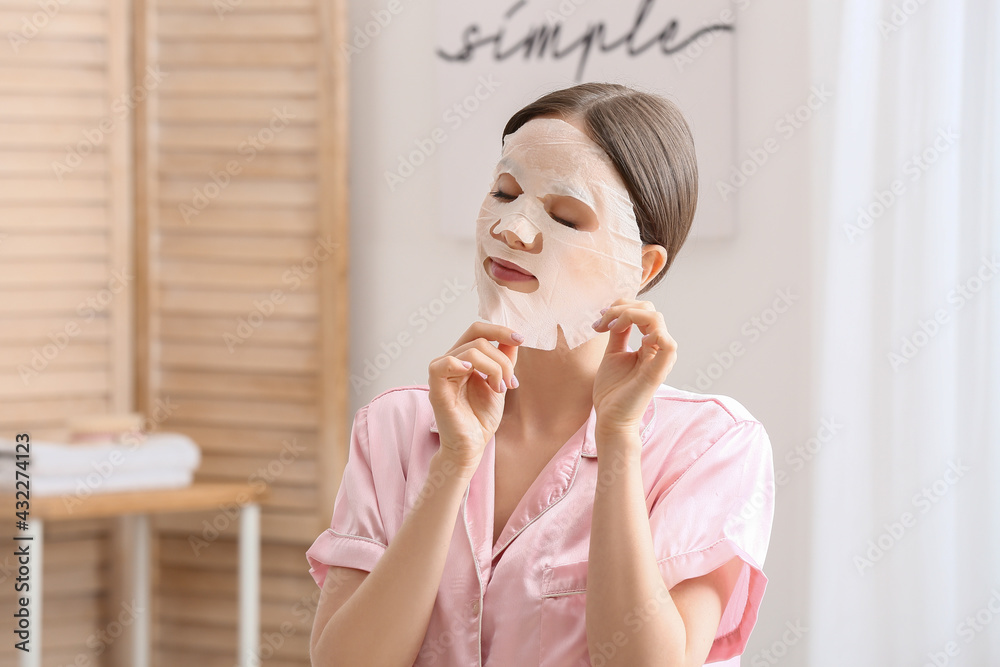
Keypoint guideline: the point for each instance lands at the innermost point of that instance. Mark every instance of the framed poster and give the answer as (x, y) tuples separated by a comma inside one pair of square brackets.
[(492, 58)]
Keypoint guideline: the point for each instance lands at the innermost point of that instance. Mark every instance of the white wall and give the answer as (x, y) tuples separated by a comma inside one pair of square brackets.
[(400, 262)]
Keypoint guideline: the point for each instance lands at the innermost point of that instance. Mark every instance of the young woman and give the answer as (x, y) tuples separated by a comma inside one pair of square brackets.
[(546, 499)]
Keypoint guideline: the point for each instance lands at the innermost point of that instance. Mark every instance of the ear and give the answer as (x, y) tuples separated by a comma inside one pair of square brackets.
[(654, 258)]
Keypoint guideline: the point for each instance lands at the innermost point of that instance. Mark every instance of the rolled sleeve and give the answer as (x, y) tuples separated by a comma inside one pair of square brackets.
[(721, 508), (356, 537)]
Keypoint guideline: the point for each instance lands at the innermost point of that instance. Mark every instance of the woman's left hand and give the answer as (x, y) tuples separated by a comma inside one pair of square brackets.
[(626, 381)]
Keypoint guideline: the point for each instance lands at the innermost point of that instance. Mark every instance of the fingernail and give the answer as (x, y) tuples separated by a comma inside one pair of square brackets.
[(503, 386), (518, 337), (604, 310), (612, 323), (467, 364), (596, 324), (513, 382), (483, 375)]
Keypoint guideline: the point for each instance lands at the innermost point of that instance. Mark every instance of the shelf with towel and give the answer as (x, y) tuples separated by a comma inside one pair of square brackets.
[(133, 509), (77, 471)]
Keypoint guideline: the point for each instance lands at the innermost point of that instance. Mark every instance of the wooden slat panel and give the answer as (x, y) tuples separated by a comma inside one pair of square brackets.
[(257, 110), (244, 441), (36, 330), (58, 352), (84, 245), (251, 359), (222, 555), (40, 80), (44, 134), (241, 277), (214, 611), (238, 54), (243, 192), (66, 273), (236, 248), (272, 332), (68, 23), (22, 384), (216, 639), (52, 52), (199, 383), (253, 402), (46, 301), (276, 526), (174, 654), (215, 220), (285, 166), (241, 468), (239, 26), (208, 6), (53, 191), (244, 413), (84, 108), (31, 6), (285, 135), (223, 83), (239, 304), (275, 587), (49, 411)]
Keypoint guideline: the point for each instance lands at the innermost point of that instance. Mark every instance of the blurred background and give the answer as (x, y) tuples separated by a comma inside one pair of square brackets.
[(238, 221)]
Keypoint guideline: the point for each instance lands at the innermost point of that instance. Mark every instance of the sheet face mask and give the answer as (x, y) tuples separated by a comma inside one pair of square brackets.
[(579, 272)]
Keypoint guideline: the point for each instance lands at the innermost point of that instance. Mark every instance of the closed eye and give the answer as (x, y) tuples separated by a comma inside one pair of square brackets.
[(563, 222), (502, 196)]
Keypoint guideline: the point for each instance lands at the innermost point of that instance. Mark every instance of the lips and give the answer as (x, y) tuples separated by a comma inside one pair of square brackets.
[(510, 271)]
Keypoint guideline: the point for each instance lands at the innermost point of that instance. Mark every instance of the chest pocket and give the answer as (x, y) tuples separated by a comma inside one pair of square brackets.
[(563, 629)]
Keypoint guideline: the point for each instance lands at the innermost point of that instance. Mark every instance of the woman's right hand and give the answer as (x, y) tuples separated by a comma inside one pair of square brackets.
[(467, 407)]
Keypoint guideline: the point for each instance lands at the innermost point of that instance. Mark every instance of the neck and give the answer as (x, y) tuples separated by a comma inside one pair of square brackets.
[(556, 387)]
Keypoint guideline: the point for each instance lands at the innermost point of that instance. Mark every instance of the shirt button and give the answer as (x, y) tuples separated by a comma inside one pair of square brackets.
[(475, 607)]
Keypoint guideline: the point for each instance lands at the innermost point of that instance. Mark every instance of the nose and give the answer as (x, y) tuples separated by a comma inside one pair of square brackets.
[(517, 231)]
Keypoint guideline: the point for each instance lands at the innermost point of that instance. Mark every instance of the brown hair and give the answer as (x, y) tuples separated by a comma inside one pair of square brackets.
[(650, 144)]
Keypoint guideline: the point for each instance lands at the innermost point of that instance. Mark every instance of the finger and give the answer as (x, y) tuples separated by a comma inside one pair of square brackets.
[(487, 366), (506, 357), (490, 331), (447, 369), (646, 321), (614, 311), (511, 352), (658, 352)]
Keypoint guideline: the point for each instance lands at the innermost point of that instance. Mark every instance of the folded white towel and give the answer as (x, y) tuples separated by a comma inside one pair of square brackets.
[(158, 451), (79, 488)]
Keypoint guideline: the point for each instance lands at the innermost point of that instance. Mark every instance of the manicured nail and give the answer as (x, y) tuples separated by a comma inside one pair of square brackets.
[(513, 382), (596, 324), (518, 337), (604, 310), (503, 386), (483, 375), (611, 324), (467, 364)]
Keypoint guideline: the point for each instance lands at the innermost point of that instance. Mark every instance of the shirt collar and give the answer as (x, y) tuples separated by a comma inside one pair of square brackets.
[(589, 447)]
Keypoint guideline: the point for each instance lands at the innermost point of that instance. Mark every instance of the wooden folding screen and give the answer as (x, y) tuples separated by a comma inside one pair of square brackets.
[(66, 274), (224, 228), (242, 208)]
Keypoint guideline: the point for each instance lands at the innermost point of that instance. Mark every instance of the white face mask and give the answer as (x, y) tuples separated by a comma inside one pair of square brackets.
[(578, 272)]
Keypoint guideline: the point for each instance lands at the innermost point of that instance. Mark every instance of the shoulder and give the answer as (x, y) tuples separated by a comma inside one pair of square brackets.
[(399, 419), (685, 425), (716, 409), (400, 401)]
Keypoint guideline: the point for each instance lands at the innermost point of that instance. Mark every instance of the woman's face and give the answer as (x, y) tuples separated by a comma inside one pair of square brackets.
[(557, 239)]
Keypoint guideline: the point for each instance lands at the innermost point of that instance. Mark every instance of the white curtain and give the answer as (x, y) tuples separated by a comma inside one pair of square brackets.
[(905, 557)]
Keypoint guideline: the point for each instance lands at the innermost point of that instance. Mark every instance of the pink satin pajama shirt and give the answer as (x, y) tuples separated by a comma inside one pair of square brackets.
[(709, 482)]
